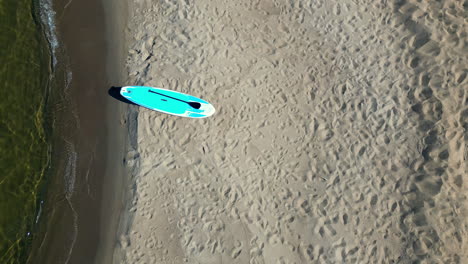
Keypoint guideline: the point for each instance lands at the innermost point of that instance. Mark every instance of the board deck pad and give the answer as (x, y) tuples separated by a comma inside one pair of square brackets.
[(167, 101)]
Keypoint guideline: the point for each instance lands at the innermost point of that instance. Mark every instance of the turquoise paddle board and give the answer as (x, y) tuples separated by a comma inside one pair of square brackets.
[(167, 101)]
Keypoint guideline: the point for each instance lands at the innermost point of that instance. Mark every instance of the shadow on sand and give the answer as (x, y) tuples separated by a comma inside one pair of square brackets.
[(114, 91)]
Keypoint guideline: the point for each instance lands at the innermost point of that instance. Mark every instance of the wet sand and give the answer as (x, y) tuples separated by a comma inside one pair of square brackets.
[(85, 193)]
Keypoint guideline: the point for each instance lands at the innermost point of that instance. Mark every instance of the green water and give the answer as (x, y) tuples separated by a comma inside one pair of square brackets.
[(23, 144)]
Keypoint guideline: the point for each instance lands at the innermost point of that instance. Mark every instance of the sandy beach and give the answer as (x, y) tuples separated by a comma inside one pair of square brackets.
[(339, 137)]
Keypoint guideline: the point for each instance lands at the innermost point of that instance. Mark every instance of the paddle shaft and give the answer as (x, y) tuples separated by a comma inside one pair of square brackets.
[(168, 96), (195, 105)]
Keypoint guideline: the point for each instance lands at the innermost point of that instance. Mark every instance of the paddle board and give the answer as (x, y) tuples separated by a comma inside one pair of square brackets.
[(167, 101)]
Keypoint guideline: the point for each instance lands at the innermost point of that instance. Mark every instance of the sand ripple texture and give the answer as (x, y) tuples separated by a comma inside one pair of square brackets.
[(340, 132)]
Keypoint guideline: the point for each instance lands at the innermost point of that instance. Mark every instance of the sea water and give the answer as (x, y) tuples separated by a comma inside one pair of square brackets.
[(26, 65)]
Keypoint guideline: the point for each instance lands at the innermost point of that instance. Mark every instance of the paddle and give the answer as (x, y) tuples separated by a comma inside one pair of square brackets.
[(192, 104)]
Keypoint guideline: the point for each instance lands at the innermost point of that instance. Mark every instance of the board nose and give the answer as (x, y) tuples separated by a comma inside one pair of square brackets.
[(208, 109)]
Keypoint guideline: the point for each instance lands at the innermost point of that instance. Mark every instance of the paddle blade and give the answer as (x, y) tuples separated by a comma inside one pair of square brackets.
[(195, 105)]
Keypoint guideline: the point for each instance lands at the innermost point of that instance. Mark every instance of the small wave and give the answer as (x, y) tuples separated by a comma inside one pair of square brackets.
[(70, 178), (39, 212), (70, 170), (47, 15), (69, 79), (75, 231)]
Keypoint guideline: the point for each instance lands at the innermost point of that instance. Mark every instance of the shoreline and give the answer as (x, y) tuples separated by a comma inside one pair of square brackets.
[(84, 199), (129, 119), (115, 192)]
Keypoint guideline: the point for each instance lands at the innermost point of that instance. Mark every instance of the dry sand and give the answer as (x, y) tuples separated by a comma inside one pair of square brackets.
[(340, 135)]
